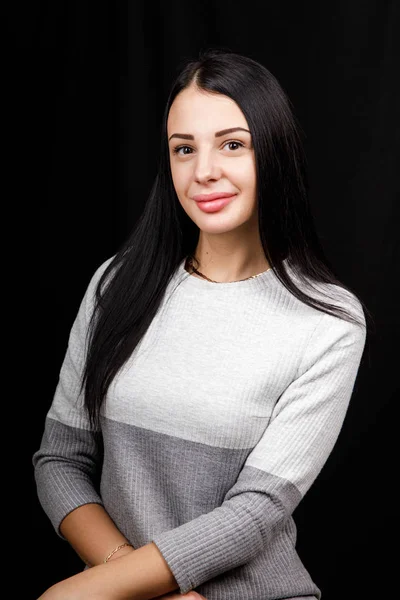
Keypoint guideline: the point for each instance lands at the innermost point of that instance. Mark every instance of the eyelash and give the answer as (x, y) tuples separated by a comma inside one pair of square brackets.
[(176, 150)]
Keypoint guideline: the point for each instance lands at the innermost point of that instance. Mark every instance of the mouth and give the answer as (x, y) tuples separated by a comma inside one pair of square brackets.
[(214, 196), (214, 202)]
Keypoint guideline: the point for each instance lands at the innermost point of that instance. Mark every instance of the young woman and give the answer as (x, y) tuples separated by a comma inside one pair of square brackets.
[(210, 365)]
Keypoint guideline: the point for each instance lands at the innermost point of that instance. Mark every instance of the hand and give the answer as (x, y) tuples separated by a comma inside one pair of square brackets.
[(179, 596)]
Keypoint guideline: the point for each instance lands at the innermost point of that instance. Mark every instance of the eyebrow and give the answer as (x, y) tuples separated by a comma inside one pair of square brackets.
[(188, 136)]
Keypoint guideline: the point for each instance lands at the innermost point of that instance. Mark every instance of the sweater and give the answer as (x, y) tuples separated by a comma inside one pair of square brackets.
[(212, 432)]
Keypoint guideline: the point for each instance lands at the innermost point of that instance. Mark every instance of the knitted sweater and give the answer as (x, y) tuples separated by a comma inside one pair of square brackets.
[(212, 432)]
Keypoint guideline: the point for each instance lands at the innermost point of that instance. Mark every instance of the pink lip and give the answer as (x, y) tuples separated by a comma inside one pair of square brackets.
[(209, 197), (218, 202)]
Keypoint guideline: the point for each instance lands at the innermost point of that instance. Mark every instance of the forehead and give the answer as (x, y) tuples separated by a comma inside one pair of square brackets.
[(195, 111)]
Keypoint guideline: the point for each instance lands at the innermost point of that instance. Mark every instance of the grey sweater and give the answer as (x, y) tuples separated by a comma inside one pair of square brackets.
[(212, 432)]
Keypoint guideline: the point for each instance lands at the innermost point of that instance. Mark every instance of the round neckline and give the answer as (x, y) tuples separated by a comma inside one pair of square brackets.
[(200, 283)]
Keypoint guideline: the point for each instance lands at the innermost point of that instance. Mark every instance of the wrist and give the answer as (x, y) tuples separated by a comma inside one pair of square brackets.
[(122, 552), (118, 551)]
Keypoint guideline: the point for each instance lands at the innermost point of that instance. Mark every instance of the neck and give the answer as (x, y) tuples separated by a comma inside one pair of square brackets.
[(227, 269), (232, 255)]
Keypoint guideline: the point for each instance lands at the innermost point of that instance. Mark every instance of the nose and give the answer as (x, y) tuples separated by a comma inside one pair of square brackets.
[(206, 167)]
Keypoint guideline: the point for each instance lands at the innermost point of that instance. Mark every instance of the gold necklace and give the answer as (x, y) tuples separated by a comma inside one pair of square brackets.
[(189, 263)]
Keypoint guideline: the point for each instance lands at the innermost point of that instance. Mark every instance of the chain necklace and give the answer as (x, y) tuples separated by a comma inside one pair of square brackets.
[(189, 262)]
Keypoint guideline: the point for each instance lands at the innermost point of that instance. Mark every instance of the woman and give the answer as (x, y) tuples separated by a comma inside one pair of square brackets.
[(210, 365)]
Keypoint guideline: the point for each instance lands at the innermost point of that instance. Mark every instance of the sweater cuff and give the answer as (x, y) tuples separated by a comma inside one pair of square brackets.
[(211, 544)]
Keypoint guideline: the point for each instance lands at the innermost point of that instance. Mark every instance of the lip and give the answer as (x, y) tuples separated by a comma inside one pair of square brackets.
[(217, 203), (214, 196)]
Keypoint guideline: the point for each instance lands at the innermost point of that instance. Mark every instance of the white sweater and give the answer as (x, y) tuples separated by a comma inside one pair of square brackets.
[(211, 433)]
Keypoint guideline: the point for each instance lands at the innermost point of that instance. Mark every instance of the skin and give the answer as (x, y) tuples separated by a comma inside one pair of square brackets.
[(229, 246)]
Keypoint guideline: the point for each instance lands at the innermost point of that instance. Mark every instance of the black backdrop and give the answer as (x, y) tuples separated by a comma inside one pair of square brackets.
[(101, 73)]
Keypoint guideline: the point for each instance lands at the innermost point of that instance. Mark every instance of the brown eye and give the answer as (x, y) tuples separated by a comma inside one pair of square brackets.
[(237, 144), (177, 150)]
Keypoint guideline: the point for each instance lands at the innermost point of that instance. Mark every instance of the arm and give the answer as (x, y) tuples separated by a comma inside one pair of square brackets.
[(68, 462), (67, 467), (139, 575), (302, 431)]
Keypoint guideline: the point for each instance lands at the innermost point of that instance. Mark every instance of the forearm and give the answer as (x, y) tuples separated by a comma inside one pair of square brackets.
[(142, 574), (92, 534)]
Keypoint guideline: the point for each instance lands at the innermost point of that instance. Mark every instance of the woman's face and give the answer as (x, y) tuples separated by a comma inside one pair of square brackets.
[(206, 159)]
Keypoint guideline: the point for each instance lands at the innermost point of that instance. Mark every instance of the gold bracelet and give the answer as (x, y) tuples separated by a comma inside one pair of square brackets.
[(116, 550)]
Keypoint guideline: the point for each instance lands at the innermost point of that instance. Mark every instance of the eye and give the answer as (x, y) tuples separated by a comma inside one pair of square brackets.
[(178, 148), (239, 144)]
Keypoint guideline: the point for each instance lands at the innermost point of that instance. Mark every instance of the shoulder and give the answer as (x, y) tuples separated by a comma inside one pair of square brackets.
[(342, 334), (337, 296), (342, 298), (349, 325), (100, 271), (90, 293), (338, 338)]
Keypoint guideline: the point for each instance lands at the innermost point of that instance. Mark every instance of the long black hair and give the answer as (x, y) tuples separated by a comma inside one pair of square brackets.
[(132, 286)]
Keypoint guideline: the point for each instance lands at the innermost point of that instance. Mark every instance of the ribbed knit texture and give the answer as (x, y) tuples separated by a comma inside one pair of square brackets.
[(211, 433)]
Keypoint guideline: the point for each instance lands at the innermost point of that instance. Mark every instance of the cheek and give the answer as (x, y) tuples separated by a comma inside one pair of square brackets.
[(180, 177), (244, 174)]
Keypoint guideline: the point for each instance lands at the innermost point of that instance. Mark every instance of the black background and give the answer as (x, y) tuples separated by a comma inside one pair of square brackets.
[(100, 76)]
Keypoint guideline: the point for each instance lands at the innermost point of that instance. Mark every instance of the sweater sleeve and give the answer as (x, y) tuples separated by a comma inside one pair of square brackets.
[(279, 470), (66, 466)]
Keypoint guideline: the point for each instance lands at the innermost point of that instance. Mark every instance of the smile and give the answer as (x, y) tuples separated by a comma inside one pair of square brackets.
[(210, 206)]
